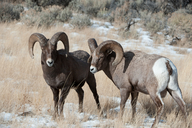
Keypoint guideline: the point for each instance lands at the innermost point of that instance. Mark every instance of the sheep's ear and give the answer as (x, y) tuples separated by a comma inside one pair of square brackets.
[(89, 59)]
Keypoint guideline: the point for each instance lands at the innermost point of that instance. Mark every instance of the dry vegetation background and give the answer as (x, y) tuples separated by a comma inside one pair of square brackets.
[(21, 80)]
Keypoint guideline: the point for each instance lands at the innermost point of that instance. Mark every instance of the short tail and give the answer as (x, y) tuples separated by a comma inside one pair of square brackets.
[(170, 70)]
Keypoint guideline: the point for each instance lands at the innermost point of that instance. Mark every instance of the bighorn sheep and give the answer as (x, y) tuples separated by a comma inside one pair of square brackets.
[(63, 70), (134, 72)]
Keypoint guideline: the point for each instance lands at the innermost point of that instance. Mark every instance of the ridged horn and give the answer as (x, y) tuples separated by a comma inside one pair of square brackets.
[(36, 37), (61, 36), (92, 44), (116, 47)]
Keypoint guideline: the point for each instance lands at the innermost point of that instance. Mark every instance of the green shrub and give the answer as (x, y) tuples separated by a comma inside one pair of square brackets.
[(45, 3), (65, 15), (103, 14), (92, 11), (48, 18), (9, 12), (80, 21), (13, 1), (154, 22), (189, 9), (18, 8), (30, 18), (37, 8), (90, 7), (30, 4)]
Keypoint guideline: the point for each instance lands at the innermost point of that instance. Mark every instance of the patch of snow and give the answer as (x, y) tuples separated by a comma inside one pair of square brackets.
[(66, 25), (102, 27), (75, 47), (102, 30), (6, 116), (73, 34), (91, 124), (26, 9), (34, 122), (159, 33), (145, 37)]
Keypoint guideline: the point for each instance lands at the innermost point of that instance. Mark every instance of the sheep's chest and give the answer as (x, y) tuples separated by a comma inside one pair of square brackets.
[(57, 81)]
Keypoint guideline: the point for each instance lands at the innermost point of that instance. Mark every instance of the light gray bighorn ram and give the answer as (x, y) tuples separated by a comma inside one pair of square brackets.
[(63, 70), (134, 72)]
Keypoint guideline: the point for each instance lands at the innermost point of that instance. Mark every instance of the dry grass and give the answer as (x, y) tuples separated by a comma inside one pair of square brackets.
[(21, 80)]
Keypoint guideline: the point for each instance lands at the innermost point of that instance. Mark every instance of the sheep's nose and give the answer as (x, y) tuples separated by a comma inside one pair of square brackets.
[(93, 69), (50, 62)]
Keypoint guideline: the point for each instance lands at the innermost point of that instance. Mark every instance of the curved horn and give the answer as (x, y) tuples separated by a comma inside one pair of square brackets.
[(116, 47), (92, 44), (36, 37), (62, 37)]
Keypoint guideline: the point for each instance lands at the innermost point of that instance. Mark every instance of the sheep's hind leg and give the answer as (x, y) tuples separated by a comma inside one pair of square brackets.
[(177, 96), (134, 97), (55, 98), (92, 85), (160, 107), (80, 93)]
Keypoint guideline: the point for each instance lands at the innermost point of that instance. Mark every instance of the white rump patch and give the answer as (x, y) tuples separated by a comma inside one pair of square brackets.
[(161, 73)]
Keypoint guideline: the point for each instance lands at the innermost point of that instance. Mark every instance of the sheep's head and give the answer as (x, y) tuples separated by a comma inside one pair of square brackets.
[(48, 47), (99, 54)]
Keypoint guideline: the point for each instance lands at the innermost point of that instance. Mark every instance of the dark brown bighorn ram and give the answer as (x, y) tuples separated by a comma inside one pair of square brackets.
[(63, 70), (134, 72)]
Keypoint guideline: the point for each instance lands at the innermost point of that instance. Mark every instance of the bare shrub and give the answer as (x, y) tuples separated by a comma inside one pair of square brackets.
[(180, 23), (132, 34), (121, 13)]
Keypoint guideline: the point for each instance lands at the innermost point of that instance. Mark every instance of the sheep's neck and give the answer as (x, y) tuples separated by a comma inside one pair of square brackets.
[(109, 69)]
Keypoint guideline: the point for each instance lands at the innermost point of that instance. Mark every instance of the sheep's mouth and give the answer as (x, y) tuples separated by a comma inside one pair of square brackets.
[(50, 62), (93, 69)]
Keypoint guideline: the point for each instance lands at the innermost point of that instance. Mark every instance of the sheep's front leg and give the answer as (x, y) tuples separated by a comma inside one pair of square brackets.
[(92, 85), (64, 92), (55, 98), (124, 96)]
